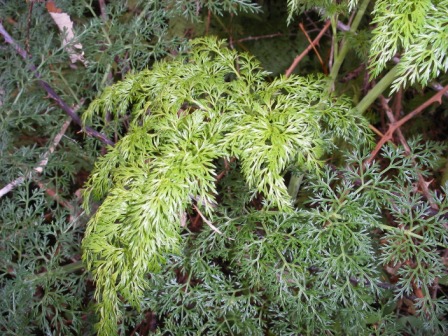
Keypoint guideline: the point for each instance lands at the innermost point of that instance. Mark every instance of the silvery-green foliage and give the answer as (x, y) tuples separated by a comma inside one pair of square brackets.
[(185, 116), (312, 270), (36, 293)]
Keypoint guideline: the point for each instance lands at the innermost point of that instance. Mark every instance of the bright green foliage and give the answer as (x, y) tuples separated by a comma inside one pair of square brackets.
[(418, 30), (210, 138), (210, 104), (43, 286)]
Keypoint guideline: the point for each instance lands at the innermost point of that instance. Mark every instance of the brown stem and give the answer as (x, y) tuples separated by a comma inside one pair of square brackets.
[(397, 104), (226, 169), (394, 126), (54, 195), (207, 24), (28, 25), (421, 180), (103, 10), (314, 47), (259, 37), (307, 50), (214, 228), (62, 104)]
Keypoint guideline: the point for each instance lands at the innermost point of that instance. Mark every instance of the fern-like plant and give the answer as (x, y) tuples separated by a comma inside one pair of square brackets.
[(186, 116), (416, 29), (197, 224), (413, 31)]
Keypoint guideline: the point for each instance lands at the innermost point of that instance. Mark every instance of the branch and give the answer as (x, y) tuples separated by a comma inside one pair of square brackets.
[(314, 47), (69, 268), (67, 109), (421, 180), (307, 50), (345, 46), (295, 182), (41, 165), (54, 195), (103, 10), (406, 232), (377, 90), (256, 38), (393, 126), (368, 100), (214, 228)]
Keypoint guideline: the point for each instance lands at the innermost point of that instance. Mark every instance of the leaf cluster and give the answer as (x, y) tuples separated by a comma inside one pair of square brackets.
[(39, 240), (196, 223), (326, 8), (36, 293), (317, 268), (417, 31), (212, 103), (411, 33)]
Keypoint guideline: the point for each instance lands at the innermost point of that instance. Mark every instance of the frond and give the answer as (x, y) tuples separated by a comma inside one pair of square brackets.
[(185, 115)]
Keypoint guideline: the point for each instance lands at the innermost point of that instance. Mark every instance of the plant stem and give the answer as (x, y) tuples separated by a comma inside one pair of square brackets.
[(394, 126), (50, 91), (345, 47), (406, 232), (294, 186), (377, 90), (305, 52), (73, 267)]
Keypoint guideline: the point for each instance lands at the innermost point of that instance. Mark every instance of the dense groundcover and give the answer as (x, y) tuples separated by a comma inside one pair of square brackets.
[(223, 167)]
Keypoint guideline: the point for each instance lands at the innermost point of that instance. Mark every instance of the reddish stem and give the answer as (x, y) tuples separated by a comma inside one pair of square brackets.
[(307, 50), (394, 126)]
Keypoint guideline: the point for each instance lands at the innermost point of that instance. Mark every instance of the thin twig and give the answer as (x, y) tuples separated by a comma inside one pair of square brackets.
[(67, 109), (214, 228), (314, 47), (259, 37), (10, 186), (307, 50), (376, 130), (41, 165), (421, 180), (69, 268), (28, 25), (393, 126), (397, 105), (54, 195), (207, 24), (436, 86), (226, 169), (103, 10)]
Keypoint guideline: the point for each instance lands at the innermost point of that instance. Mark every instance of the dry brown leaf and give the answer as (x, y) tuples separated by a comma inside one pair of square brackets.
[(65, 25)]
